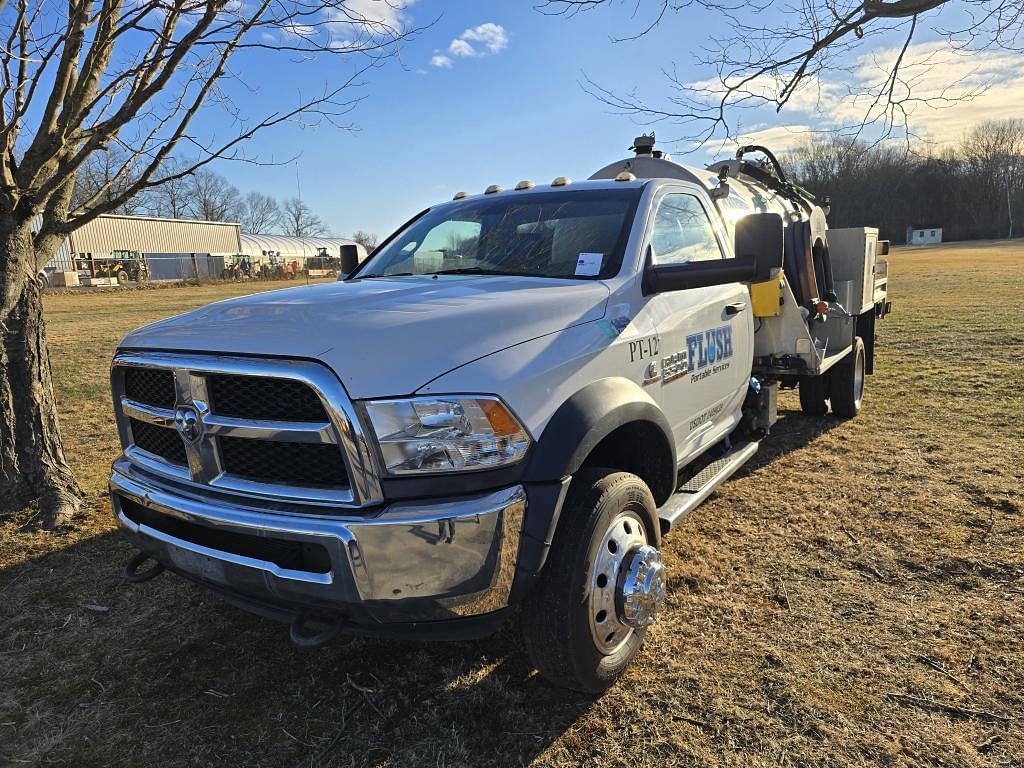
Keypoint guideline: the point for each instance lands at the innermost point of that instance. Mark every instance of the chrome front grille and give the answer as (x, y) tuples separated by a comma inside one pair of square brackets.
[(272, 429)]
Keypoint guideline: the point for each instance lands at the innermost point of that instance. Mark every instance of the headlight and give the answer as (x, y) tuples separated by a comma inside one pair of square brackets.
[(446, 434)]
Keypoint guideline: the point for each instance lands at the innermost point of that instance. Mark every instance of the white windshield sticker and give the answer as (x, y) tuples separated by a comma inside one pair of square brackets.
[(589, 264)]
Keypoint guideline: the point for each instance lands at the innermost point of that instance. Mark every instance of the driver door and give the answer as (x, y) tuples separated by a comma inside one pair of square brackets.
[(706, 334)]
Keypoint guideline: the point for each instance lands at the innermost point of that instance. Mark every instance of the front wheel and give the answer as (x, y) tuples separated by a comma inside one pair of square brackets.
[(602, 585)]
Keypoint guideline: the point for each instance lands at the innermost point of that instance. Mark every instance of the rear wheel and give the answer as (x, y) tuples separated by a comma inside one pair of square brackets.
[(812, 395), (602, 586), (846, 384)]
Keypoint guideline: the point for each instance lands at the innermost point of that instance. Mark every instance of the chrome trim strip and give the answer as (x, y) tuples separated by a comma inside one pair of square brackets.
[(409, 562), (281, 431), (248, 562), (345, 428), (233, 484), (158, 417)]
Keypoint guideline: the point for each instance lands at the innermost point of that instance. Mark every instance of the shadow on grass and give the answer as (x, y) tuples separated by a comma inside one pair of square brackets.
[(95, 671), (793, 430)]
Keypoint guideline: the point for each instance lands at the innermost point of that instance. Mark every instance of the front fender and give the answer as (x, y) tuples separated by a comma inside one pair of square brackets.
[(585, 419)]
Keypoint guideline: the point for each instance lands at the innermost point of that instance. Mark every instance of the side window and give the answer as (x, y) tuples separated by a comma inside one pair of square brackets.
[(682, 232)]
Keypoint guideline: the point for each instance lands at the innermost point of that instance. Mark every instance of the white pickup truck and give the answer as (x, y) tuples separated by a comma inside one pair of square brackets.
[(502, 410)]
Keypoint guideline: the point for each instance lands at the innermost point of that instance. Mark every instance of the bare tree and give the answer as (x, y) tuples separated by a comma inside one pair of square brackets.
[(993, 153), (214, 198), (81, 77), (973, 189), (366, 239), (98, 177), (298, 219), (171, 199), (777, 53), (261, 214)]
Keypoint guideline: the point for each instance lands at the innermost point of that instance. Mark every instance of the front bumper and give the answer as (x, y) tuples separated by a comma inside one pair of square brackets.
[(404, 563)]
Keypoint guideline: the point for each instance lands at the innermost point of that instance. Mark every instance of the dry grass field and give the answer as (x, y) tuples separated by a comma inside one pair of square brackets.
[(853, 597)]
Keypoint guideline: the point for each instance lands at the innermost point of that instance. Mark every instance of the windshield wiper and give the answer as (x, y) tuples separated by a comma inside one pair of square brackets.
[(382, 274), (475, 271)]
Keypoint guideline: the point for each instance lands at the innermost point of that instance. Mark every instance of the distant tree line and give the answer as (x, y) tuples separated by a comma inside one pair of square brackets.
[(973, 190), (206, 196)]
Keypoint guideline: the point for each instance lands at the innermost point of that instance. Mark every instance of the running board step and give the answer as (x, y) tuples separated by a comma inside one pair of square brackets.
[(692, 493)]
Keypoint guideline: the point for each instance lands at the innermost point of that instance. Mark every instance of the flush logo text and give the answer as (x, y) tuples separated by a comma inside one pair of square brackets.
[(709, 347)]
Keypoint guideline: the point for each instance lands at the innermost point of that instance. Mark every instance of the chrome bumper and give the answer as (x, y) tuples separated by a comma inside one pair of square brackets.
[(409, 562)]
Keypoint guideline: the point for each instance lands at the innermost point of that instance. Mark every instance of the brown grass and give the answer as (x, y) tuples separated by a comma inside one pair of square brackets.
[(852, 598)]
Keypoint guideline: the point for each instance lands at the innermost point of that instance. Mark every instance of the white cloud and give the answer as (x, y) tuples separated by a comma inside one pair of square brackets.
[(491, 35), (295, 31), (778, 138), (460, 47), (490, 38), (950, 90), (379, 13)]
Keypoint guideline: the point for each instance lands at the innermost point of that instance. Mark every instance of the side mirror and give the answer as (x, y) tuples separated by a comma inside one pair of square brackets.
[(759, 252), (349, 259), (759, 240)]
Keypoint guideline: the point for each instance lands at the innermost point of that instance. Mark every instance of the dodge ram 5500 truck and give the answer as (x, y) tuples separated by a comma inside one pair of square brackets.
[(502, 410)]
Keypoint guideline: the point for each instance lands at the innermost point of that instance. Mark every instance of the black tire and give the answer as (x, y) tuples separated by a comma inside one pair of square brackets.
[(812, 395), (122, 277), (556, 619), (846, 382)]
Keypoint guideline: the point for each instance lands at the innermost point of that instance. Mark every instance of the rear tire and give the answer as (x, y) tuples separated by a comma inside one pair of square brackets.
[(812, 395), (573, 638), (846, 385)]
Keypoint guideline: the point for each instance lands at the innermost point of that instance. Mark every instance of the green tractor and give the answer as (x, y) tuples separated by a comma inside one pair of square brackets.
[(121, 265)]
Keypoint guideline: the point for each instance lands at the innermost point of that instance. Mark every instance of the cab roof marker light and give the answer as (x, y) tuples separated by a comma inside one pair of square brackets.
[(494, 189), (561, 181), (625, 176), (524, 185), (461, 195)]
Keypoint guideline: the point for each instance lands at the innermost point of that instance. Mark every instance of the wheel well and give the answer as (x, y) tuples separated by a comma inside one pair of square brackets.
[(639, 447)]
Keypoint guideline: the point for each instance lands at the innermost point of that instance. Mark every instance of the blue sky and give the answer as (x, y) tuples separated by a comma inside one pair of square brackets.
[(435, 122)]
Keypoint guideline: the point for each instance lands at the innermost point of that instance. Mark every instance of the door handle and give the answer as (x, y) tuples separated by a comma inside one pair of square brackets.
[(735, 308)]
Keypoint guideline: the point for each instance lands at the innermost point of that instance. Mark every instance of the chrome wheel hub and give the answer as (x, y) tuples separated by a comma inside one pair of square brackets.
[(627, 585), (643, 588)]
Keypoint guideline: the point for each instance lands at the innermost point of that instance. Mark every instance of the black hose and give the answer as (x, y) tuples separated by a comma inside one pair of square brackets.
[(322, 630), (132, 573), (767, 153)]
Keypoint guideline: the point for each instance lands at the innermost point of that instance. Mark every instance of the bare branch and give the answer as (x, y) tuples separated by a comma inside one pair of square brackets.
[(783, 55)]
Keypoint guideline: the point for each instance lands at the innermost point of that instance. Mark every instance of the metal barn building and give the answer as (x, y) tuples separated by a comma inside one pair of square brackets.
[(183, 248), (168, 244)]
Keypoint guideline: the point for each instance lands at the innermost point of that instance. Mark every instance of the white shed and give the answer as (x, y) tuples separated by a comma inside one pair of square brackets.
[(924, 235)]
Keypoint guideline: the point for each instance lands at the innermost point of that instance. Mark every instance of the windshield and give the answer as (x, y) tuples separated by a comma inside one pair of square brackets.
[(570, 234)]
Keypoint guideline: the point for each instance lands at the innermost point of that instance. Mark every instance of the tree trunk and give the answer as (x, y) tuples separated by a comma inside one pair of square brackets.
[(32, 463)]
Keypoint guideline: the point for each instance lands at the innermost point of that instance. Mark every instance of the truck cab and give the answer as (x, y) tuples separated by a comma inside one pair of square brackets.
[(505, 408)]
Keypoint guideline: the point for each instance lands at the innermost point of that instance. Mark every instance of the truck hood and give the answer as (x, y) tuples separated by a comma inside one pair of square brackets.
[(383, 337)]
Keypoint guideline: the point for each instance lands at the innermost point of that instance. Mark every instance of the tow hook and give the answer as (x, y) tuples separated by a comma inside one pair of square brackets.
[(642, 594), (309, 632), (132, 573)]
